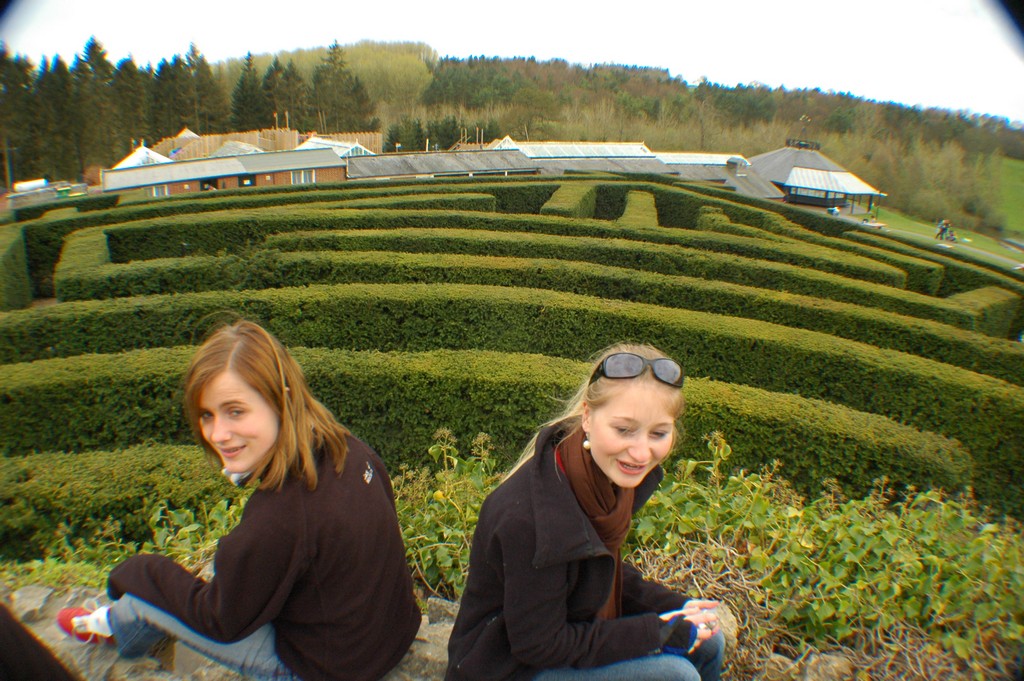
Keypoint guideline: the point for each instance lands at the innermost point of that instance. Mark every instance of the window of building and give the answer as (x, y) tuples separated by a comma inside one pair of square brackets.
[(303, 176), (159, 190)]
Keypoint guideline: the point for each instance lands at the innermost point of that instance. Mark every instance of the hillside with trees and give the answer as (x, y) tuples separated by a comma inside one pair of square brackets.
[(66, 121)]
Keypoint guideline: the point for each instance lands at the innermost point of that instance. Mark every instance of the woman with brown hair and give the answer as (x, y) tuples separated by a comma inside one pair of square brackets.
[(313, 582), (548, 596)]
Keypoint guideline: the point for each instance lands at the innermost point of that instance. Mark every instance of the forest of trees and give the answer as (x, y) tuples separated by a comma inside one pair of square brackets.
[(64, 122)]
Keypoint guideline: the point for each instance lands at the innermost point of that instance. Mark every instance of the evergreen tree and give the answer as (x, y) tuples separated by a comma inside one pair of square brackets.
[(271, 86), (209, 102), (132, 90), (172, 97), (17, 110), (58, 159), (248, 103), (406, 135), (340, 101), (94, 125), (293, 99)]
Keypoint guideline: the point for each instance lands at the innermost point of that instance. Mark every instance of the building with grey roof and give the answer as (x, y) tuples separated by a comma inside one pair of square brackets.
[(299, 166), (441, 164), (730, 170), (810, 177)]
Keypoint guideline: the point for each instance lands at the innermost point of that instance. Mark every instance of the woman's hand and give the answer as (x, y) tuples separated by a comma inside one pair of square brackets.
[(703, 620)]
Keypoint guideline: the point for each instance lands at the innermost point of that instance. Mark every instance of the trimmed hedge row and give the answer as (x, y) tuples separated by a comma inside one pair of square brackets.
[(83, 204), (640, 211), (572, 200), (47, 496), (642, 256), (681, 208), (811, 220), (984, 413), (44, 238), (713, 219), (960, 276), (272, 269), (15, 287), (237, 229), (396, 400), (996, 308), (461, 201)]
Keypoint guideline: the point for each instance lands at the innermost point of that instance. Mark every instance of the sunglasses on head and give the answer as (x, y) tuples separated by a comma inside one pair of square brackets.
[(629, 365)]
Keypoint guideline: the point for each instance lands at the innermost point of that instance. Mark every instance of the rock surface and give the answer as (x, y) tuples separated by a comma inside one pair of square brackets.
[(36, 607)]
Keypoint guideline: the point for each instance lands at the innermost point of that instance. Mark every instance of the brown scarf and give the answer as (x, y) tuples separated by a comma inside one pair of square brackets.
[(609, 508)]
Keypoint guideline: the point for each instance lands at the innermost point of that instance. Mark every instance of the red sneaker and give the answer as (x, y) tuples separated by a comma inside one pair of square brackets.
[(73, 623)]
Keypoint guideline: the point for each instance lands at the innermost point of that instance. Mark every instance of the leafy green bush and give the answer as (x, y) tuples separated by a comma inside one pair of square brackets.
[(438, 509), (15, 287), (631, 251), (271, 269), (393, 401), (640, 211), (55, 499), (81, 204), (44, 237), (960, 276), (572, 200), (836, 570), (682, 207)]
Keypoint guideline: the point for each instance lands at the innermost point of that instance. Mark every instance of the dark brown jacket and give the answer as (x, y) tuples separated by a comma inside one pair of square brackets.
[(538, 574), (327, 567)]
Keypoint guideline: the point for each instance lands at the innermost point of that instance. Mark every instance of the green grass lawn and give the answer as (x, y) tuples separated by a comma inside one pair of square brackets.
[(926, 230)]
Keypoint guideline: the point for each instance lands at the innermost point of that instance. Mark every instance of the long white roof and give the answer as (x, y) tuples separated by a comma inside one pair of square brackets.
[(674, 158), (577, 149), (141, 157), (830, 181)]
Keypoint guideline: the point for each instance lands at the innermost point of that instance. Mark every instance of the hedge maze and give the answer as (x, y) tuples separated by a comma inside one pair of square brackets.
[(475, 305)]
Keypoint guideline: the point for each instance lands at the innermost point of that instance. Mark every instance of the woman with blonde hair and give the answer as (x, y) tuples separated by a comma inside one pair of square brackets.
[(548, 596), (313, 582)]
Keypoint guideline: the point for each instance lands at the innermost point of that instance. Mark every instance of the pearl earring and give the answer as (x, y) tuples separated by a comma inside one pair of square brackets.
[(586, 442)]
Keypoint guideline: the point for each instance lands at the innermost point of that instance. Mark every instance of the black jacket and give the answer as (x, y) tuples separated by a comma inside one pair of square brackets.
[(327, 567), (538, 574)]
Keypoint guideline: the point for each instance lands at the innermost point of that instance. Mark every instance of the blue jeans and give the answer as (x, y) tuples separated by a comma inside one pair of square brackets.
[(137, 626), (703, 664)]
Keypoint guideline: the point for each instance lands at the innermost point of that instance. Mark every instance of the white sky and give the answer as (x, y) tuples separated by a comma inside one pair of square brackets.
[(953, 54)]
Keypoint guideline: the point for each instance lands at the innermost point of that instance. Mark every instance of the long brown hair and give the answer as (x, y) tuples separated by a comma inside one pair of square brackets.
[(260, 360), (599, 392)]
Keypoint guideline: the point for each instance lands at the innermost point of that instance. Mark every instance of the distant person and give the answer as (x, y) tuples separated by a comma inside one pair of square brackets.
[(548, 596), (313, 582)]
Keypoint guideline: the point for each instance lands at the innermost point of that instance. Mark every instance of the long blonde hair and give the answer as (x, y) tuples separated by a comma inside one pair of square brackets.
[(599, 392), (260, 360)]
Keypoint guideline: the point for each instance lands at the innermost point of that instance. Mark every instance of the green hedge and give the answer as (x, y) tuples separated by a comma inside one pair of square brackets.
[(647, 257), (237, 230), (714, 219), (395, 401), (640, 211), (82, 204), (273, 269), (44, 237), (984, 413), (572, 200), (15, 287), (682, 208), (960, 276), (460, 201), (996, 308), (53, 495)]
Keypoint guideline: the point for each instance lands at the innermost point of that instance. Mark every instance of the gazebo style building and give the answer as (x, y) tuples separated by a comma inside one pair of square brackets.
[(810, 177)]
